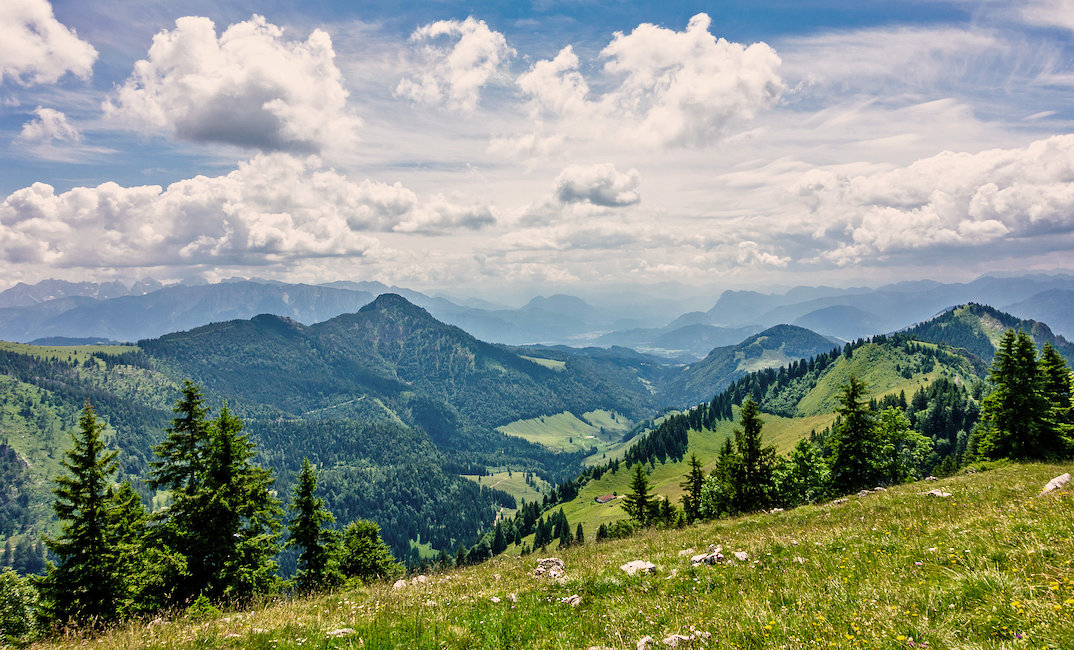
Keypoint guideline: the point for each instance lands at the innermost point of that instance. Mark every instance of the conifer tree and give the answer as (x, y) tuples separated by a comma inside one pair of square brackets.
[(367, 557), (853, 442), (318, 562), (579, 535), (691, 496), (88, 584), (499, 541), (753, 475), (638, 504)]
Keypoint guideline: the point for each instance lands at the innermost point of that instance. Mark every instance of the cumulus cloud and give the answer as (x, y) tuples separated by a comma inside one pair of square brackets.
[(664, 87), (250, 87), (49, 125), (948, 200), (37, 48), (598, 184), (455, 70), (271, 209)]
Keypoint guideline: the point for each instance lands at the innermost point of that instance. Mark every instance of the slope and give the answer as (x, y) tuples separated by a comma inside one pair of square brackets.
[(977, 328), (991, 566)]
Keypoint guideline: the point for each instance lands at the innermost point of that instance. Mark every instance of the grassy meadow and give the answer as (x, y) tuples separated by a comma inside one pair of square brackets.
[(988, 567)]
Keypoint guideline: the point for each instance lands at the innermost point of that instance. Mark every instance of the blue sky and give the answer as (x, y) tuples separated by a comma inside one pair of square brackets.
[(512, 148)]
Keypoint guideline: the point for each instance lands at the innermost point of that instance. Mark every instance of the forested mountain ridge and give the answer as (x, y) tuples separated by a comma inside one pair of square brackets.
[(977, 328), (773, 347)]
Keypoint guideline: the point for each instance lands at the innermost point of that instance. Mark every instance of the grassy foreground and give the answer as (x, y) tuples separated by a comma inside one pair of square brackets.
[(988, 567)]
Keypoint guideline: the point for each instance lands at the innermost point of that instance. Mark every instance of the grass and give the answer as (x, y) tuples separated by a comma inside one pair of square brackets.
[(78, 353), (567, 432), (513, 483), (551, 364), (990, 567)]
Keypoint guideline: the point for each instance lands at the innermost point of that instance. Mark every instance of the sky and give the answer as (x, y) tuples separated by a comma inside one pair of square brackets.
[(495, 149)]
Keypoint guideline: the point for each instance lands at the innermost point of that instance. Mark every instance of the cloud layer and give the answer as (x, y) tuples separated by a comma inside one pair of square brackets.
[(36, 48), (250, 87), (273, 208)]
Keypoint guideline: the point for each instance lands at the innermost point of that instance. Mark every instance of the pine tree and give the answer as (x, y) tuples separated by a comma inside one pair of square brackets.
[(1017, 418), (499, 541), (579, 535), (318, 562), (1057, 389), (638, 504), (753, 479), (691, 496), (88, 584), (853, 442)]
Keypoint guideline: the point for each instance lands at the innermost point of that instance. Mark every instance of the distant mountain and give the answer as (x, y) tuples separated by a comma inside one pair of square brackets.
[(771, 348), (841, 321), (1055, 307), (978, 328), (130, 318), (25, 295)]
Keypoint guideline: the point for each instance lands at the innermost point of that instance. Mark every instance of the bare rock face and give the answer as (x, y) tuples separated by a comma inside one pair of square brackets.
[(1056, 484), (642, 566), (937, 493), (550, 567)]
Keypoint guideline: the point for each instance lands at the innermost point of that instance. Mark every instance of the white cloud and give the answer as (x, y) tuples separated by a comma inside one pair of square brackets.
[(49, 125), (250, 87), (37, 48), (1049, 13), (948, 200), (272, 209), (456, 71), (598, 184), (665, 88)]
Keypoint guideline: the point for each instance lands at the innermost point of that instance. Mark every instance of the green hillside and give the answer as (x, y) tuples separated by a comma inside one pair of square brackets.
[(977, 329), (992, 566)]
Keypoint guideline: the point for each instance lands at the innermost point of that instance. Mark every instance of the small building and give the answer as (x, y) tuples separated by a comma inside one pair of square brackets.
[(606, 498)]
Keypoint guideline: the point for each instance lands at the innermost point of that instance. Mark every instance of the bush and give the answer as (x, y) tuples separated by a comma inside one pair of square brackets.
[(18, 602)]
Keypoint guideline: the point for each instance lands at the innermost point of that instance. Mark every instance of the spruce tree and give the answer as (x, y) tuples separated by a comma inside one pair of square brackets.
[(88, 585), (638, 504), (1017, 418), (753, 475), (318, 562), (367, 557), (691, 496), (499, 541), (853, 442)]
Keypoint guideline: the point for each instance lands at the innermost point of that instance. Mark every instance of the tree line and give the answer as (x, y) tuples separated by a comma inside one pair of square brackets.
[(213, 545)]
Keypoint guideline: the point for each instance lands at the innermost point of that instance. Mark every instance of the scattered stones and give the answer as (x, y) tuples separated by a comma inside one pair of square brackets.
[(495, 599), (938, 493), (931, 478), (343, 631), (419, 580), (685, 552), (714, 556), (742, 556), (864, 493), (1057, 483), (675, 640), (630, 568), (840, 500), (880, 488), (573, 600), (775, 510), (550, 567), (399, 584), (644, 643)]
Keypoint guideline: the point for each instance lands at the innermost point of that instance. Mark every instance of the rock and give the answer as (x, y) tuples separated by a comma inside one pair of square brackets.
[(419, 580), (630, 568), (1057, 483), (513, 598), (880, 488), (938, 493), (931, 478), (399, 584), (775, 510), (644, 642), (156, 621), (343, 631), (742, 556), (799, 559), (550, 567), (714, 556), (686, 552), (676, 640), (573, 600), (864, 493), (494, 599), (841, 500)]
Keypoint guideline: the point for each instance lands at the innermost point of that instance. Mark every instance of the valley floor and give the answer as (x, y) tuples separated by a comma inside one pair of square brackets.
[(988, 567)]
